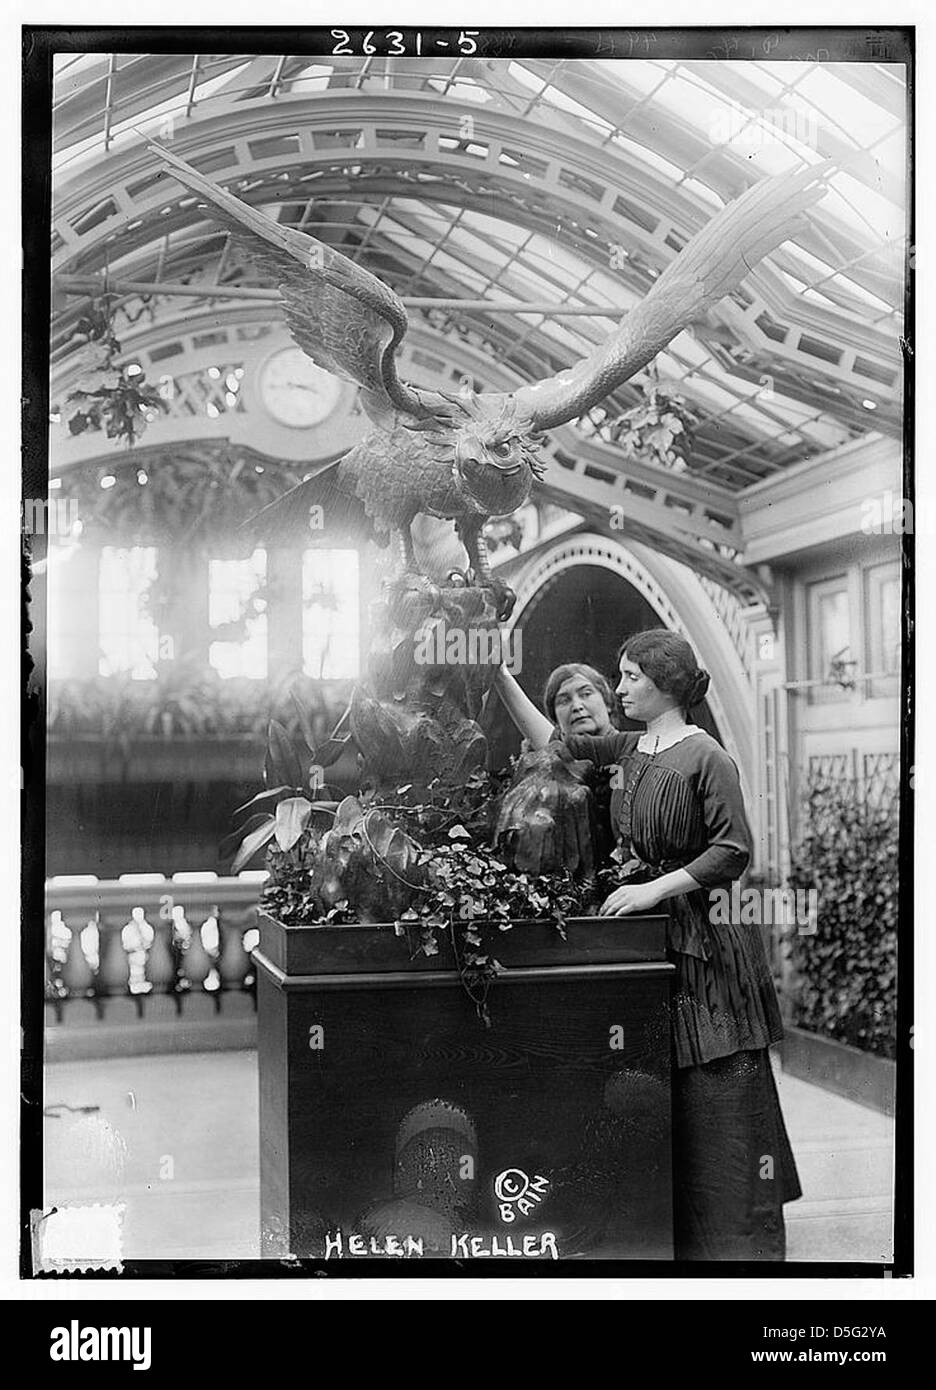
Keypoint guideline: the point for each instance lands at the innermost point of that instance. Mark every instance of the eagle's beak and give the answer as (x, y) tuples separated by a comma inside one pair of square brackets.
[(484, 479), (466, 452)]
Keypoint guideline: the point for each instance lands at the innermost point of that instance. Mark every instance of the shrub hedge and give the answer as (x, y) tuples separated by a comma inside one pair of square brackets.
[(844, 976)]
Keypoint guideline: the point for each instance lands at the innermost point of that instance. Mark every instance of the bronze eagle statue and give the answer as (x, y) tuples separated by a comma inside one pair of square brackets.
[(470, 457)]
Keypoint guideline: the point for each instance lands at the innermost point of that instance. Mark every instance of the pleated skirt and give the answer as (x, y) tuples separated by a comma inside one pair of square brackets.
[(724, 1000), (733, 1167)]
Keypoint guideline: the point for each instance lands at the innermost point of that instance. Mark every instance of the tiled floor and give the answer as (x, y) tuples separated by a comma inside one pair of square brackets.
[(845, 1156), (174, 1138)]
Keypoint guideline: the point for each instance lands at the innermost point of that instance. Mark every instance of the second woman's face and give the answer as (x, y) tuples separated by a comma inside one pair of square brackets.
[(580, 708), (641, 699)]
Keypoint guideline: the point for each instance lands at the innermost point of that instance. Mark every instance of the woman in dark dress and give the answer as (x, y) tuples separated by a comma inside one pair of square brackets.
[(682, 831)]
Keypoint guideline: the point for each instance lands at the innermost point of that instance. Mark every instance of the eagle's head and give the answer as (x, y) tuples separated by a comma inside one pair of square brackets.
[(494, 454)]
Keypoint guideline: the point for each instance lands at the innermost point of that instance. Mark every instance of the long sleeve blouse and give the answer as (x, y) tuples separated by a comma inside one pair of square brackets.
[(684, 800), (682, 808)]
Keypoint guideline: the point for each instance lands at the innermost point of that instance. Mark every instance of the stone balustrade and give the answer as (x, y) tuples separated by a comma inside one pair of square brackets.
[(127, 957)]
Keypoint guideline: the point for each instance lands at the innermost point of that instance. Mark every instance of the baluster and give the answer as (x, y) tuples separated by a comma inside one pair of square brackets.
[(113, 977), (251, 942), (77, 975), (138, 936), (114, 972), (52, 991), (233, 962), (57, 938), (180, 931), (54, 929), (160, 962), (196, 962)]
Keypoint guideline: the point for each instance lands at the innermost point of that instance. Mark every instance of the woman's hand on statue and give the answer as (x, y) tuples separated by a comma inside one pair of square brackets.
[(631, 897)]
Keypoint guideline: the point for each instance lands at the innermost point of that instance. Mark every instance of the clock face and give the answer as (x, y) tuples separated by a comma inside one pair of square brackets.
[(295, 391)]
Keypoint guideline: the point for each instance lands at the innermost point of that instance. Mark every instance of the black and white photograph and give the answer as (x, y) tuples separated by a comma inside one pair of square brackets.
[(468, 702)]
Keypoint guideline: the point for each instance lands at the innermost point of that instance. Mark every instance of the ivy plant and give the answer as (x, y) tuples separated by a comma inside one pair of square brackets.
[(419, 857)]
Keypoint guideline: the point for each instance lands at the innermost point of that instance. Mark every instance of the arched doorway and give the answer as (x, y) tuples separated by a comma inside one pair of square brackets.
[(581, 612)]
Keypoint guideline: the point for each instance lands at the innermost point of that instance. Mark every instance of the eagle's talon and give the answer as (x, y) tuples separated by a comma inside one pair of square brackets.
[(502, 597), (407, 587)]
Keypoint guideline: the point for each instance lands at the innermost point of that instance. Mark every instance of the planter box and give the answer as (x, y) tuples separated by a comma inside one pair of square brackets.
[(837, 1067), (393, 1122)]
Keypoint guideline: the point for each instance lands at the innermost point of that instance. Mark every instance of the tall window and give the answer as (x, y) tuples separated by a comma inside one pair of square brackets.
[(235, 598), (882, 636), (71, 620), (829, 638), (128, 638), (330, 614)]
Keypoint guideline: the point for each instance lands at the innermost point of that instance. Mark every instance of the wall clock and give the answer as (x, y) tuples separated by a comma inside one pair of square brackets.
[(295, 391)]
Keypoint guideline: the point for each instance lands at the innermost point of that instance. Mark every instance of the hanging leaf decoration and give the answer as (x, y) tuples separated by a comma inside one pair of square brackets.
[(106, 397), (659, 429)]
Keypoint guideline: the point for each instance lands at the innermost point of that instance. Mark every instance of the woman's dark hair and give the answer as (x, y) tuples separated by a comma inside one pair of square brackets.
[(670, 663), (558, 678)]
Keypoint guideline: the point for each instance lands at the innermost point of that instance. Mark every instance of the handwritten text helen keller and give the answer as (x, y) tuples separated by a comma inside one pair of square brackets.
[(462, 1247)]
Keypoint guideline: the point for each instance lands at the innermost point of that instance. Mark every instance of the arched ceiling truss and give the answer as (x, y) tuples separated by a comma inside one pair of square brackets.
[(572, 182)]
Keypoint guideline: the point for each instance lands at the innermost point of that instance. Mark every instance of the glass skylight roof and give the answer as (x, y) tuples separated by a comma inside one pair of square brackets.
[(856, 118), (692, 132)]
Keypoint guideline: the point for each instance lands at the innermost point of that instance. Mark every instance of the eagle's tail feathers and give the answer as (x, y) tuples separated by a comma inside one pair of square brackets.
[(319, 511)]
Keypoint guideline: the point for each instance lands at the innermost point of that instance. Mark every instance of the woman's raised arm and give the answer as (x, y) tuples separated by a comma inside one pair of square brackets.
[(528, 719)]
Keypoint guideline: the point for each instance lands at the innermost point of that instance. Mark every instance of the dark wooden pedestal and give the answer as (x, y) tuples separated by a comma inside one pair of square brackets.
[(388, 1110)]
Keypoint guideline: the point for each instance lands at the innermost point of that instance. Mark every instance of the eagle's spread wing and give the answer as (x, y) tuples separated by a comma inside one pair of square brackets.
[(349, 322), (710, 266)]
